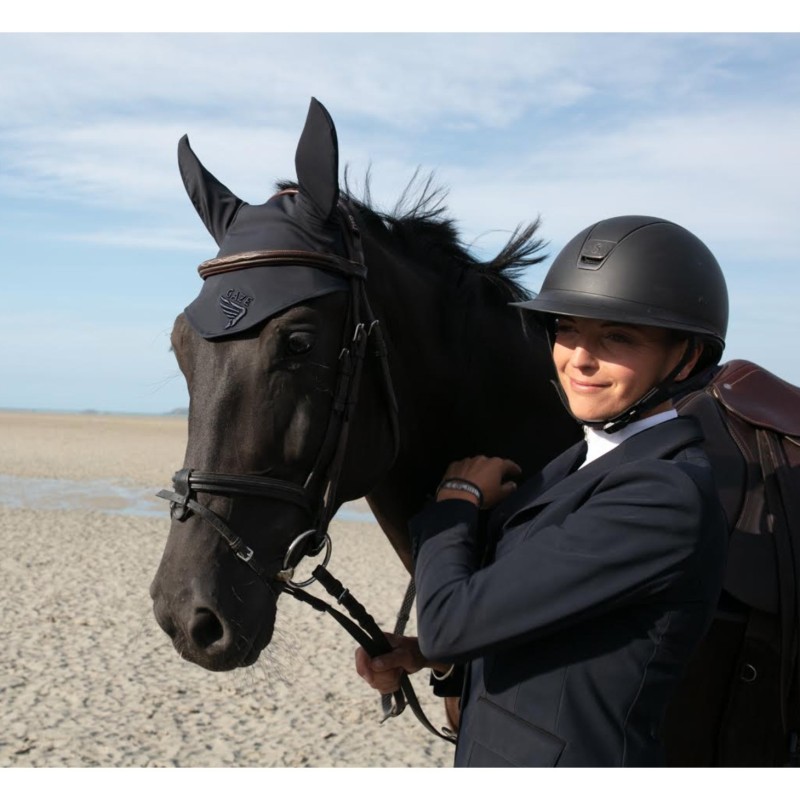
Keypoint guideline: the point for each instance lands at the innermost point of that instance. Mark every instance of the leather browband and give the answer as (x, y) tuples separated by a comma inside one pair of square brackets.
[(282, 258)]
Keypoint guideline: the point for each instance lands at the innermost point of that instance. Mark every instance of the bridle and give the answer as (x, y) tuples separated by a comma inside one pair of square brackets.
[(317, 495), (361, 328)]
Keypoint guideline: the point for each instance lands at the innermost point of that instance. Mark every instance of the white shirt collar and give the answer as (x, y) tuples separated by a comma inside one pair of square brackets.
[(599, 443)]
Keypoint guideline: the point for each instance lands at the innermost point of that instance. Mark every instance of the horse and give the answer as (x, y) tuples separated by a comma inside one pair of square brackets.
[(333, 353)]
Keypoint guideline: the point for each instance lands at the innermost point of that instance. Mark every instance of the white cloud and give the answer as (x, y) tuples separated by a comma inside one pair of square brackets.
[(733, 176), (403, 80), (105, 113)]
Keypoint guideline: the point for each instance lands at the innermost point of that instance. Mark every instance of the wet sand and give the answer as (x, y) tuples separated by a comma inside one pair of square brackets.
[(88, 679)]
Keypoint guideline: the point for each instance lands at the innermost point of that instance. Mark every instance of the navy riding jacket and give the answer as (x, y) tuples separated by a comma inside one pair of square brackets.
[(575, 634)]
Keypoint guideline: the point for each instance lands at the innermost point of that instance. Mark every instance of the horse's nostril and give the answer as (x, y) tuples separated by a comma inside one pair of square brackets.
[(205, 628)]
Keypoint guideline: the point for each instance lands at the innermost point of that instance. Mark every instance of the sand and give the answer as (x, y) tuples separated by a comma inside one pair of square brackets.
[(88, 679)]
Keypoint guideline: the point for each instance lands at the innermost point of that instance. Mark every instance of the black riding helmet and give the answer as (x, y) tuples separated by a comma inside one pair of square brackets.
[(642, 271)]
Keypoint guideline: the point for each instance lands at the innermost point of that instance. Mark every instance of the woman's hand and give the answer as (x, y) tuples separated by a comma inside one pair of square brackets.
[(384, 672), (493, 476)]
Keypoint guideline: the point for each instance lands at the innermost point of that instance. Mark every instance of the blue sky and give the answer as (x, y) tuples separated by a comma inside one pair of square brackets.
[(100, 242)]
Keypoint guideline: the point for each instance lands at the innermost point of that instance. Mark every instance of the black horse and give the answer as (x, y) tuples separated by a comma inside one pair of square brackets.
[(270, 352)]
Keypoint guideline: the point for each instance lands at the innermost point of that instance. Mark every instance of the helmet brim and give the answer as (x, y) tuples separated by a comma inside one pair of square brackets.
[(614, 309)]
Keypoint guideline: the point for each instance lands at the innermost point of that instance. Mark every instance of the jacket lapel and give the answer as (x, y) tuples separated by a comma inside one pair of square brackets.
[(551, 475), (562, 477)]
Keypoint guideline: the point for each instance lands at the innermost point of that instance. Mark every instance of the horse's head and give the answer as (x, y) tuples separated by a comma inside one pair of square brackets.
[(272, 350)]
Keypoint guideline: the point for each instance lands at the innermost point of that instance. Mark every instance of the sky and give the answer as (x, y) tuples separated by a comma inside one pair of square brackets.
[(100, 243)]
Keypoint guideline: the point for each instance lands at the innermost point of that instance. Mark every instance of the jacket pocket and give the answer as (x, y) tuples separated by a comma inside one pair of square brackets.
[(502, 739)]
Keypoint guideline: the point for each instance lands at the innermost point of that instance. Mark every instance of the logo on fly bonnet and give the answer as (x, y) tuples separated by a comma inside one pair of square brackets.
[(234, 305)]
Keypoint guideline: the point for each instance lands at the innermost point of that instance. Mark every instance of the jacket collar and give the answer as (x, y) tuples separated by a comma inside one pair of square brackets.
[(562, 476)]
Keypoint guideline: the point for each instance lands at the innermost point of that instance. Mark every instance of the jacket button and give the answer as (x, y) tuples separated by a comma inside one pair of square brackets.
[(748, 673)]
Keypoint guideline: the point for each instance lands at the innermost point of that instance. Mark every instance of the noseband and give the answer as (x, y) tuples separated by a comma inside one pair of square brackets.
[(319, 491)]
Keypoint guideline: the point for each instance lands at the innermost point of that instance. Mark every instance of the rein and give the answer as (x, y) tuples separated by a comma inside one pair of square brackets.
[(329, 462), (372, 639)]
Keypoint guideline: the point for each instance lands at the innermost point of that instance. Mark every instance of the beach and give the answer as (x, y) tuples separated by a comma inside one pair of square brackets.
[(88, 679)]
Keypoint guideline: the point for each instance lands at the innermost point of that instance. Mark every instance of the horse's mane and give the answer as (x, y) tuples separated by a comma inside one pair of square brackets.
[(419, 224)]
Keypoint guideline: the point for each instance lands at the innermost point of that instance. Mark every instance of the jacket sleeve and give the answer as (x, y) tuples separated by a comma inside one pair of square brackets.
[(630, 539)]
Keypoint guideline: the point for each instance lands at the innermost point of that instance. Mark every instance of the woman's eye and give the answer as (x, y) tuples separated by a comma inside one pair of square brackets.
[(619, 338), (300, 342)]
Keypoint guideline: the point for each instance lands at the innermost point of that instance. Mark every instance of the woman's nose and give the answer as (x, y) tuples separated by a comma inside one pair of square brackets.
[(582, 357)]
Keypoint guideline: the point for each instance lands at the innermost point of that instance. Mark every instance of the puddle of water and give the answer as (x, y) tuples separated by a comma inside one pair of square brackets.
[(55, 494)]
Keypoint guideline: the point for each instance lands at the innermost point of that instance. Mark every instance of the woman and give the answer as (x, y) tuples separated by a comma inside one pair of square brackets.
[(606, 567)]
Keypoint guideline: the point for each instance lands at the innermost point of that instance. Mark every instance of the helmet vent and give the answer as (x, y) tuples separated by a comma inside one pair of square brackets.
[(594, 253)]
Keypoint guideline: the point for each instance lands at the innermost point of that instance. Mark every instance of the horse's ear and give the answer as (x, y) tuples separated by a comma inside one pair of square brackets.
[(317, 161), (215, 203)]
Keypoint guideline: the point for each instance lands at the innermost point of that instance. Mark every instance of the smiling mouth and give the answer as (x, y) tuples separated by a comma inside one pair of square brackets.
[(586, 387)]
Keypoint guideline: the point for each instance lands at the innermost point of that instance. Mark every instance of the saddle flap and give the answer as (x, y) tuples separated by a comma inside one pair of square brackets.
[(759, 397), (751, 575)]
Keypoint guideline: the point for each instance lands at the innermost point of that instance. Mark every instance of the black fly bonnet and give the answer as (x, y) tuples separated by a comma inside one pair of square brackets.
[(298, 231)]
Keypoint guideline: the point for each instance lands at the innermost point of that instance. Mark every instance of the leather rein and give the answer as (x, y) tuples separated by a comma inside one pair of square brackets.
[(327, 469)]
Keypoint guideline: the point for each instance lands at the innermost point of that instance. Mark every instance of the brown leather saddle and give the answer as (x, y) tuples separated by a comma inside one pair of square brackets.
[(739, 705)]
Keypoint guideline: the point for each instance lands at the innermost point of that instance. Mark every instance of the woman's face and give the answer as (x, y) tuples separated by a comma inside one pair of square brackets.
[(604, 367)]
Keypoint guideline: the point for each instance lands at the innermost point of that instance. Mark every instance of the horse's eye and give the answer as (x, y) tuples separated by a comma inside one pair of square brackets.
[(300, 342)]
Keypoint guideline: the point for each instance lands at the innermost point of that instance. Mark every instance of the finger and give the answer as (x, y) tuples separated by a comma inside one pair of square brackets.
[(399, 658), (385, 682), (394, 639), (388, 682), (363, 665), (507, 489)]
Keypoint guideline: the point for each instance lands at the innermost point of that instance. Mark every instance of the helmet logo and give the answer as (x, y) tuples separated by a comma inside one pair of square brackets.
[(594, 253)]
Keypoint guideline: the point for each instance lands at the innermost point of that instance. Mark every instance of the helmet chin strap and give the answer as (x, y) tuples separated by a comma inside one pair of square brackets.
[(662, 391)]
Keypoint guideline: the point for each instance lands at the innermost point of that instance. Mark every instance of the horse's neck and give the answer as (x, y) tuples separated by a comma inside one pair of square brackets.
[(427, 327), (470, 379)]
